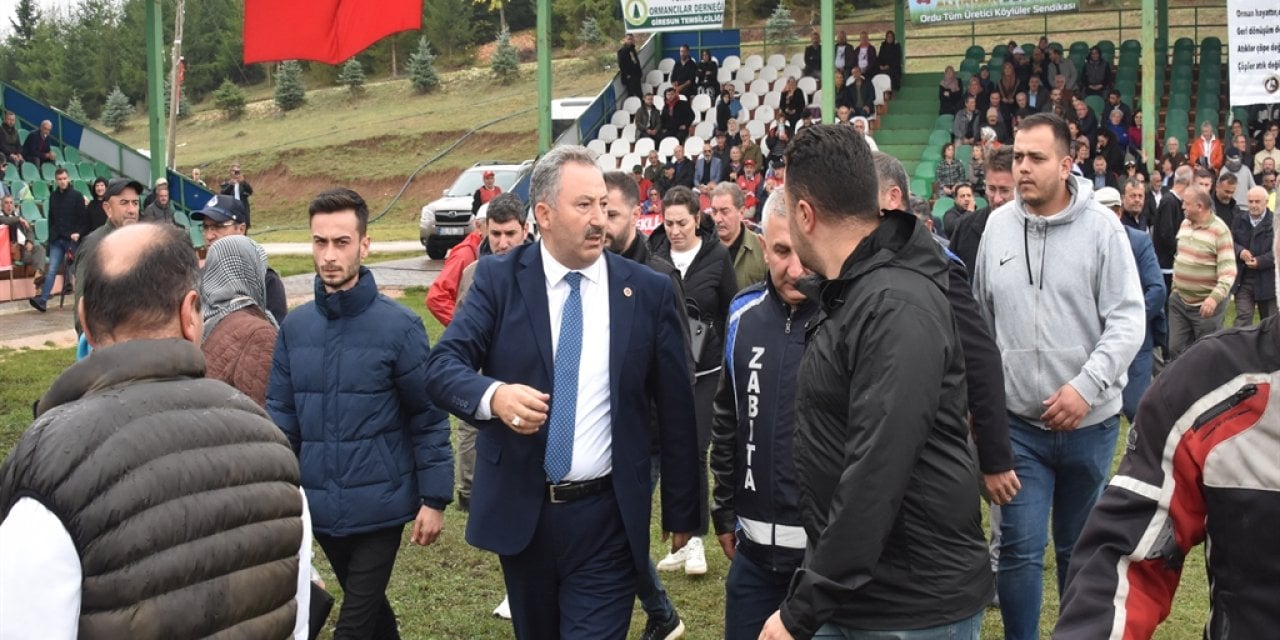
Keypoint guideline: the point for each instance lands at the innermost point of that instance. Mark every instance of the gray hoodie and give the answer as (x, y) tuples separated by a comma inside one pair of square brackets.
[(1063, 298)]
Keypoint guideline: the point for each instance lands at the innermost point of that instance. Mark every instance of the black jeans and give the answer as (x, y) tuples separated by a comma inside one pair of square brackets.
[(363, 565)]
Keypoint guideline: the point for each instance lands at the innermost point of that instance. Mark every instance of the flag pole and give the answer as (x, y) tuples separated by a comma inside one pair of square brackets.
[(175, 86), (155, 87)]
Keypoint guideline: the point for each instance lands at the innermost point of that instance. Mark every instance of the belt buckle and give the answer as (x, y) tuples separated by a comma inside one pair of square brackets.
[(551, 492)]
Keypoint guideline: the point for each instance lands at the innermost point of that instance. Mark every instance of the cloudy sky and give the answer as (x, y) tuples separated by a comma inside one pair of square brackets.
[(7, 7)]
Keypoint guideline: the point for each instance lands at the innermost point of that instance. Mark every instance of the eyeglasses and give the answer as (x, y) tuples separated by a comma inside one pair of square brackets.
[(217, 225)]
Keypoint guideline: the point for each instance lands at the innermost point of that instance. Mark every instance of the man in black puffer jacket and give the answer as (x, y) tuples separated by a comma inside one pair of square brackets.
[(147, 501), (888, 484)]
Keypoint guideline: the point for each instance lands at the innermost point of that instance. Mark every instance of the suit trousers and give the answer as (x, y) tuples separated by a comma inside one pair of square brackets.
[(577, 578), (363, 564), (1246, 302), (466, 461), (1186, 326)]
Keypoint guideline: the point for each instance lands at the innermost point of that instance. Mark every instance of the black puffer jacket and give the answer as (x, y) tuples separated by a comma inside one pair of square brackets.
[(710, 284), (888, 484), (180, 495)]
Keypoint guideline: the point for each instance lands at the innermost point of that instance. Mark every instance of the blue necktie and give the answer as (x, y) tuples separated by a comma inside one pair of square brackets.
[(564, 399)]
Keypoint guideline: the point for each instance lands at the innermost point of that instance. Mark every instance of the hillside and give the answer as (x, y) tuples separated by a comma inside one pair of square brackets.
[(371, 143)]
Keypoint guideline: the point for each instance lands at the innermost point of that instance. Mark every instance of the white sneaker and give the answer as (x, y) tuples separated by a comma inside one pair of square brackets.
[(504, 610), (695, 563), (674, 561)]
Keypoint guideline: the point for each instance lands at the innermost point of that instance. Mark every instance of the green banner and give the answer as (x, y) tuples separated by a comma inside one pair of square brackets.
[(926, 12), (672, 15)]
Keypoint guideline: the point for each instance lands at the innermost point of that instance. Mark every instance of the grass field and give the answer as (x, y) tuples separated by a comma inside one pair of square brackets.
[(449, 590)]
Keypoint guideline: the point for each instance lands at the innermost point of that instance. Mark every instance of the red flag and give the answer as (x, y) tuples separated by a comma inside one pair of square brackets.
[(329, 31)]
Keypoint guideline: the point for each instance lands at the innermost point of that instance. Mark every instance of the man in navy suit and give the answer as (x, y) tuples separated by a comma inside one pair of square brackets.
[(561, 490)]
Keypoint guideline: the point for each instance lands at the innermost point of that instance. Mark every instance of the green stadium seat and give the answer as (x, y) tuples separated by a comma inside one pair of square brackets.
[(975, 53), (57, 155), (16, 187), (1000, 50), (1056, 46), (42, 230), (1028, 49), (1096, 103), (969, 66), (979, 202), (940, 137), (82, 187), (926, 169), (1211, 44), (87, 170), (181, 218), (101, 170), (1184, 43), (71, 154), (918, 188), (40, 190), (1240, 113), (944, 122), (47, 171), (30, 211), (11, 172), (197, 236), (932, 153), (964, 153), (1078, 47), (30, 172), (72, 170), (1130, 46), (941, 206), (1208, 114)]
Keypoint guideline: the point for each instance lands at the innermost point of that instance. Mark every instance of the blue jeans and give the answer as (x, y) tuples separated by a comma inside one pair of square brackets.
[(752, 593), (57, 254), (1062, 472), (967, 629), (1139, 378)]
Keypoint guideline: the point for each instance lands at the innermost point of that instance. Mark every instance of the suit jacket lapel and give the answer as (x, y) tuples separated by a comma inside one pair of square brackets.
[(533, 288), (622, 309)]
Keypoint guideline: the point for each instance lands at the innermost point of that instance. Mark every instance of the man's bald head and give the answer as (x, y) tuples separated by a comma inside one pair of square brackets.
[(139, 283)]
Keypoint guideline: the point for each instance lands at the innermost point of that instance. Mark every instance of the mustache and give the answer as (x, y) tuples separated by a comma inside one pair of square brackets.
[(593, 232)]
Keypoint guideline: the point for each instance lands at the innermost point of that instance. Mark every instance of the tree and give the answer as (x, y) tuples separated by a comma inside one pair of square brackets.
[(590, 34), (422, 68), (76, 110), (499, 6), (780, 27), (290, 94), (25, 18), (448, 25), (352, 75), (118, 110), (505, 64), (229, 98)]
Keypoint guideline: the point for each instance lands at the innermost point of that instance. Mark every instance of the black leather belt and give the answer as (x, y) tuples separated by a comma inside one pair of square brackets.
[(570, 491)]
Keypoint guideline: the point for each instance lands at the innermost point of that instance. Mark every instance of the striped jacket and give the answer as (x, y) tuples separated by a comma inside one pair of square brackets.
[(1201, 467)]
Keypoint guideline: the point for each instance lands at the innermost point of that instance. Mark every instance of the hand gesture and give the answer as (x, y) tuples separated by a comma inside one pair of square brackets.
[(521, 407)]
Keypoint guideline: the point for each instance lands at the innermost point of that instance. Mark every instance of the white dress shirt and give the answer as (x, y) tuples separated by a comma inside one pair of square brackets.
[(36, 549), (592, 437)]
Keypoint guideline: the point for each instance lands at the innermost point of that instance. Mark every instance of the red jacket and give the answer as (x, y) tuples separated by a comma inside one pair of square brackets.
[(443, 294), (1215, 153)]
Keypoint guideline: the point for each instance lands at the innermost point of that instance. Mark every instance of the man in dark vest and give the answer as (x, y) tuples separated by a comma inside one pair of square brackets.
[(147, 501)]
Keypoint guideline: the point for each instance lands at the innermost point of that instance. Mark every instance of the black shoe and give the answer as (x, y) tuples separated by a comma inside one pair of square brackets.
[(668, 629), (37, 304), (464, 503)]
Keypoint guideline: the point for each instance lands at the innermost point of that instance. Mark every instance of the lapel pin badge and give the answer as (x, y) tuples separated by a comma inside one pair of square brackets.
[(626, 291)]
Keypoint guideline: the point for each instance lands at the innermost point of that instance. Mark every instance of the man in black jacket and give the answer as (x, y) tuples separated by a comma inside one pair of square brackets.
[(883, 377), (968, 232), (684, 76), (240, 189), (813, 56), (629, 66), (68, 218), (1168, 219), (10, 144)]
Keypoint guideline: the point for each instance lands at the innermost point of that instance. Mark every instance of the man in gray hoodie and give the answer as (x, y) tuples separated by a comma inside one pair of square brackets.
[(1056, 279)]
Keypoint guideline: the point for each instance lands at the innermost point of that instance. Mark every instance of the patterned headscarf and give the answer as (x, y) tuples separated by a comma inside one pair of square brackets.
[(235, 273)]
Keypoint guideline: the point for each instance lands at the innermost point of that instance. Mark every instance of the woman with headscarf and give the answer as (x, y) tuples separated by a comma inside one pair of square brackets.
[(950, 95), (239, 333), (889, 60), (863, 126), (97, 215)]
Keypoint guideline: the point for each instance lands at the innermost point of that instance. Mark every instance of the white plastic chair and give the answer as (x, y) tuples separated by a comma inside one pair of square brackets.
[(607, 163), (723, 75), (628, 132), (769, 74), (661, 93), (745, 75), (705, 130), (631, 105), (759, 87), (773, 99), (881, 83), (667, 146), (792, 72), (808, 85), (797, 61), (749, 101), (642, 147), (655, 77), (765, 114), (628, 161), (753, 61), (646, 88), (777, 61), (732, 63), (620, 118), (608, 133), (701, 103), (756, 129), (739, 87), (598, 146), (619, 148), (666, 65), (693, 146)]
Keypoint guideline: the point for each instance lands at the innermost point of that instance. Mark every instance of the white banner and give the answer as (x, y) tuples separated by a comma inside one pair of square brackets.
[(1253, 38), (926, 12), (672, 15)]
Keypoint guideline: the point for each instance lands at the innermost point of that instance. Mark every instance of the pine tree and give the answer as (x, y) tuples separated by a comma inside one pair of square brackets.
[(780, 27), (76, 110), (118, 110), (352, 75), (290, 94), (229, 99), (590, 34), (25, 17), (506, 66), (422, 68)]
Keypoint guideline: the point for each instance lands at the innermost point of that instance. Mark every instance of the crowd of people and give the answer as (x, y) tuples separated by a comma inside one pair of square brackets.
[(793, 363)]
